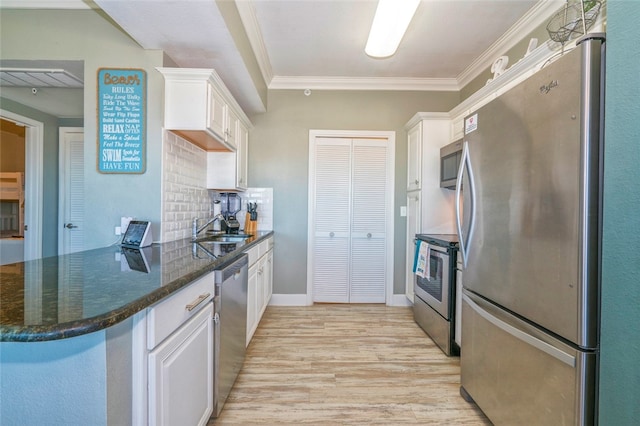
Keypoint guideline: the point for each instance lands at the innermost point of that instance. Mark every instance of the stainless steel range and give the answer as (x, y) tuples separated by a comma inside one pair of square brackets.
[(434, 288)]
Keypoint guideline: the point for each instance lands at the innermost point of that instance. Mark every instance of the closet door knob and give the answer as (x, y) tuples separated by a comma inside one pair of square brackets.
[(331, 234)]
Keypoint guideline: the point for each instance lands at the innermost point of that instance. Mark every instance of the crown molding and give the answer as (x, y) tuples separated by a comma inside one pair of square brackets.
[(252, 28), (535, 17), (48, 4), (419, 116), (367, 83)]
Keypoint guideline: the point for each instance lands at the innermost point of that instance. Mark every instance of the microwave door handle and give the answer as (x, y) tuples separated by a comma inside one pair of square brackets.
[(465, 164)]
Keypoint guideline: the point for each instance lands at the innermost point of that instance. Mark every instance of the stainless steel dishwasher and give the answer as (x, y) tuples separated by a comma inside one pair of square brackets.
[(230, 318)]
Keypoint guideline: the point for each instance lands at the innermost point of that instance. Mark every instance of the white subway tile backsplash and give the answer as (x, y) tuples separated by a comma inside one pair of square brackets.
[(264, 198), (184, 174), (184, 177)]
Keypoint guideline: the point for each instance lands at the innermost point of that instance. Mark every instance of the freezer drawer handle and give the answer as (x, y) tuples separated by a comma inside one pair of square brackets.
[(191, 306), (526, 338)]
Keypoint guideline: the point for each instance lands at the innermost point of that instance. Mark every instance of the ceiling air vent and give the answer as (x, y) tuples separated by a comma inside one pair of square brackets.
[(20, 77)]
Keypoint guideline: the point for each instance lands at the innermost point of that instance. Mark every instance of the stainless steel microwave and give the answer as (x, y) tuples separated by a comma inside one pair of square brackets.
[(450, 157)]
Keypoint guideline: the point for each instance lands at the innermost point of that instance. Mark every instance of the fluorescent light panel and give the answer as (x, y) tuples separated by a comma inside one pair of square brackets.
[(389, 25)]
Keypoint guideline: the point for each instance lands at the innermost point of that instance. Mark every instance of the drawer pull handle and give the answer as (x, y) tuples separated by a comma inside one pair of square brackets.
[(191, 306)]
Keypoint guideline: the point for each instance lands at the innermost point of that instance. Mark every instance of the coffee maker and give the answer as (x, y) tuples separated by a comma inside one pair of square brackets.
[(230, 205)]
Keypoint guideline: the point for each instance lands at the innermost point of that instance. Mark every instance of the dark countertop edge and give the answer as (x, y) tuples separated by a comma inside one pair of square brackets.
[(442, 240), (89, 325)]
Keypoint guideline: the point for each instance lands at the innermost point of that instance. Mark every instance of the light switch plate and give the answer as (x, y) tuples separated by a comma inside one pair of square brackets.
[(403, 211)]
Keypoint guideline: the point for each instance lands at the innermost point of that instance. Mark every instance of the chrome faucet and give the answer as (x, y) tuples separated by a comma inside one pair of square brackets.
[(194, 226)]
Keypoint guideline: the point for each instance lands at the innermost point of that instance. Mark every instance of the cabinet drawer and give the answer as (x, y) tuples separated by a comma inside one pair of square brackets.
[(167, 315), (263, 248), (254, 254)]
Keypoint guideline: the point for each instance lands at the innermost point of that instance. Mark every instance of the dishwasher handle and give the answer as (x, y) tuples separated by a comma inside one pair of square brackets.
[(230, 269)]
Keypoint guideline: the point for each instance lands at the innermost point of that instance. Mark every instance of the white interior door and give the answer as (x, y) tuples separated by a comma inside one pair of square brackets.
[(71, 202), (350, 219), (332, 207), (368, 221)]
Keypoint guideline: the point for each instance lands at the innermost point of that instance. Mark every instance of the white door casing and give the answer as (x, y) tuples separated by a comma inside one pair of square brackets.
[(34, 148), (71, 190), (350, 235)]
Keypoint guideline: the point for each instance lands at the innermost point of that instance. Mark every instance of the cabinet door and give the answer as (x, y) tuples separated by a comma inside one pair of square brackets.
[(414, 158), (252, 301), (181, 374), (269, 275), (217, 113), (231, 132), (368, 223), (414, 219), (242, 156), (262, 286)]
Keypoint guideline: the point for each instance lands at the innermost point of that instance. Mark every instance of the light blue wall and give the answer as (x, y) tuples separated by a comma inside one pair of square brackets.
[(61, 382), (49, 172), (88, 36), (620, 320)]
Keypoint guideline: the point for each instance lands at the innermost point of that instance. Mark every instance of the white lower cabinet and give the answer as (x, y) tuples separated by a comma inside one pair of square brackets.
[(260, 286), (180, 374), (414, 225), (180, 336), (268, 274), (252, 302)]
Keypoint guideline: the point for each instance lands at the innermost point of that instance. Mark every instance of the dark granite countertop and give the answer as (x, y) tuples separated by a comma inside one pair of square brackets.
[(443, 240), (64, 296)]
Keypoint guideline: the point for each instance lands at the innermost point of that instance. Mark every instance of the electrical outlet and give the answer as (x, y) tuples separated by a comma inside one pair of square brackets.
[(118, 230)]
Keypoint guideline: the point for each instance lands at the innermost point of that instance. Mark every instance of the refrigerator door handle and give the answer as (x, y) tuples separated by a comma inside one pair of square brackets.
[(560, 355), (465, 163)]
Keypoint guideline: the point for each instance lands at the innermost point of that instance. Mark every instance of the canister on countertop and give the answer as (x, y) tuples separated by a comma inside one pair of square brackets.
[(217, 209)]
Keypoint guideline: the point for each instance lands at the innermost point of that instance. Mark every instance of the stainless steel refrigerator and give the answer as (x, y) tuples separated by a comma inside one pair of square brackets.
[(529, 227)]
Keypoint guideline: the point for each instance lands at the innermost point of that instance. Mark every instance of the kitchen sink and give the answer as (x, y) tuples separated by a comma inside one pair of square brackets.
[(225, 238), (214, 246)]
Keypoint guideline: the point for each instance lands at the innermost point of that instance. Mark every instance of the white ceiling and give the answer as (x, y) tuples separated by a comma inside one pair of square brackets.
[(319, 44)]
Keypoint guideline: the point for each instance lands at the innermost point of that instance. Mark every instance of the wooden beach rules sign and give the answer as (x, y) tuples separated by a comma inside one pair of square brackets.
[(122, 98)]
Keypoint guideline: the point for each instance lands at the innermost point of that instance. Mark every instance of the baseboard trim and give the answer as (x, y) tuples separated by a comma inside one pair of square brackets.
[(288, 300), (400, 300), (301, 300)]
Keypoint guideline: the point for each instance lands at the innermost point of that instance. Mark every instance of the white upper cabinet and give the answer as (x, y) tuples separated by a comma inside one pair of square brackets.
[(200, 108), (227, 171), (217, 113), (414, 158)]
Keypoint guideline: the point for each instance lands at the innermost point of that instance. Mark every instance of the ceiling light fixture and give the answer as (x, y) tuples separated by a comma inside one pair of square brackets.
[(389, 25)]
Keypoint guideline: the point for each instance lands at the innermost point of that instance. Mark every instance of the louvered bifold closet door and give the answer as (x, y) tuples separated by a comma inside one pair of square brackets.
[(368, 224), (332, 216)]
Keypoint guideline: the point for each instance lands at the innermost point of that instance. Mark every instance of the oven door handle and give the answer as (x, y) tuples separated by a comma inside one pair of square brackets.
[(465, 165)]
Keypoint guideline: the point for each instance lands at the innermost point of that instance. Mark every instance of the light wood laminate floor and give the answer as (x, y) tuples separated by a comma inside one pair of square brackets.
[(333, 364)]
